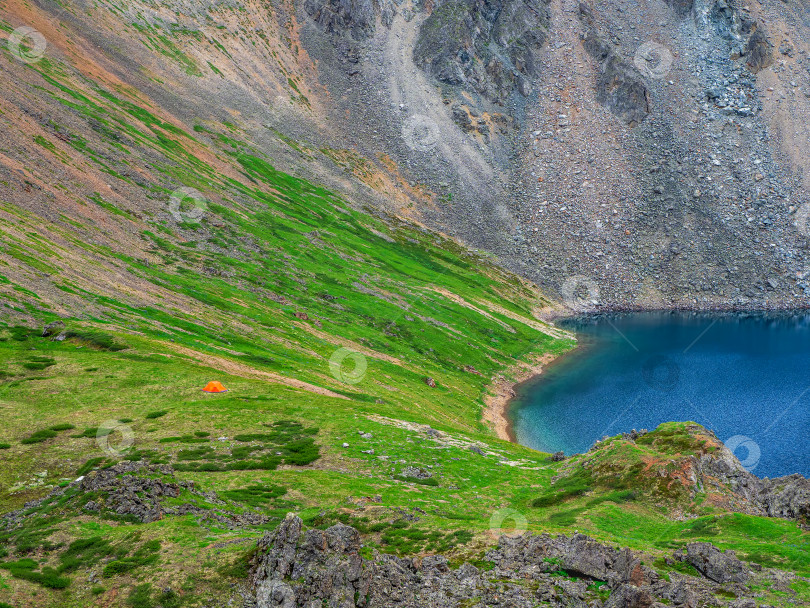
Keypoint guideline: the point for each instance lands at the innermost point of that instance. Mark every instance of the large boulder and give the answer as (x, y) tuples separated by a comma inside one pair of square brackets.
[(719, 566), (628, 596), (787, 497)]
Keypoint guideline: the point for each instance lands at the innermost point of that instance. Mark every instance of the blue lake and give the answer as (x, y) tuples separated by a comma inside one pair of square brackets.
[(746, 377)]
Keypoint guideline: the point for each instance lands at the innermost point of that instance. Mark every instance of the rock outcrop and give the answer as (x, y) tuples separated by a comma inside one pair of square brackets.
[(137, 491), (354, 18), (297, 568), (489, 47), (719, 566), (787, 497), (747, 36), (694, 461), (619, 85)]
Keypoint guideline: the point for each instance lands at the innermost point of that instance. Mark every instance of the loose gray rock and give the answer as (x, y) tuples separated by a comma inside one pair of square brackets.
[(719, 566), (293, 568)]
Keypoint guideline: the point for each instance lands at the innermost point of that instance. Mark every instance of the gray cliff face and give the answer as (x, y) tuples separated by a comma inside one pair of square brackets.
[(354, 18), (294, 568)]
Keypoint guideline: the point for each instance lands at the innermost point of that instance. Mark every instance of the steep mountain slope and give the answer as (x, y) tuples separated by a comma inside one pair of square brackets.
[(655, 150)]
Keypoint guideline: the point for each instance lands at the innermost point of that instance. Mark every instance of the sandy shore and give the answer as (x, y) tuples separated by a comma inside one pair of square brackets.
[(502, 389)]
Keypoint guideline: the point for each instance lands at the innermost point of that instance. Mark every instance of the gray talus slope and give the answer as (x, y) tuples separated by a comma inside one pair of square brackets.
[(636, 146)]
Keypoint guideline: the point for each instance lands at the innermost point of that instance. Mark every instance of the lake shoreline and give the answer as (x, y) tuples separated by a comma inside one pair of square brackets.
[(552, 314), (504, 390), (501, 391), (740, 374)]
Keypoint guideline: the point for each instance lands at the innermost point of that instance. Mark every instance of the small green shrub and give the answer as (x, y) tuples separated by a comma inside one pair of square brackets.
[(5, 446), (25, 569), (565, 518), (244, 451), (39, 437), (703, 527), (61, 427), (195, 454), (183, 439), (255, 496), (156, 414), (145, 555), (253, 437), (96, 339), (21, 334), (39, 363), (86, 552), (209, 467), (566, 488), (141, 596), (169, 599), (619, 497), (430, 481), (302, 452)]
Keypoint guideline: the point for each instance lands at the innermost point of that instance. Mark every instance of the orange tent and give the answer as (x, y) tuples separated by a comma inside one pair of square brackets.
[(214, 387)]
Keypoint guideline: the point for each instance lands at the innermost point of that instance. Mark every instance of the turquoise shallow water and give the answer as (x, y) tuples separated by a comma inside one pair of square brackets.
[(746, 377)]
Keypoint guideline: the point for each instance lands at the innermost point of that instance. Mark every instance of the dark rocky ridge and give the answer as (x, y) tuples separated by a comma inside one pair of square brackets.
[(490, 48), (139, 491), (294, 568), (355, 18)]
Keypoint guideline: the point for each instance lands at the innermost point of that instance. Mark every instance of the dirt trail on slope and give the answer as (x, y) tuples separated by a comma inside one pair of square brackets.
[(245, 371)]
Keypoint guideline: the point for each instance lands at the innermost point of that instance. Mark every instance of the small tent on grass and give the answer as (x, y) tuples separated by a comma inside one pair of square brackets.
[(214, 387)]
